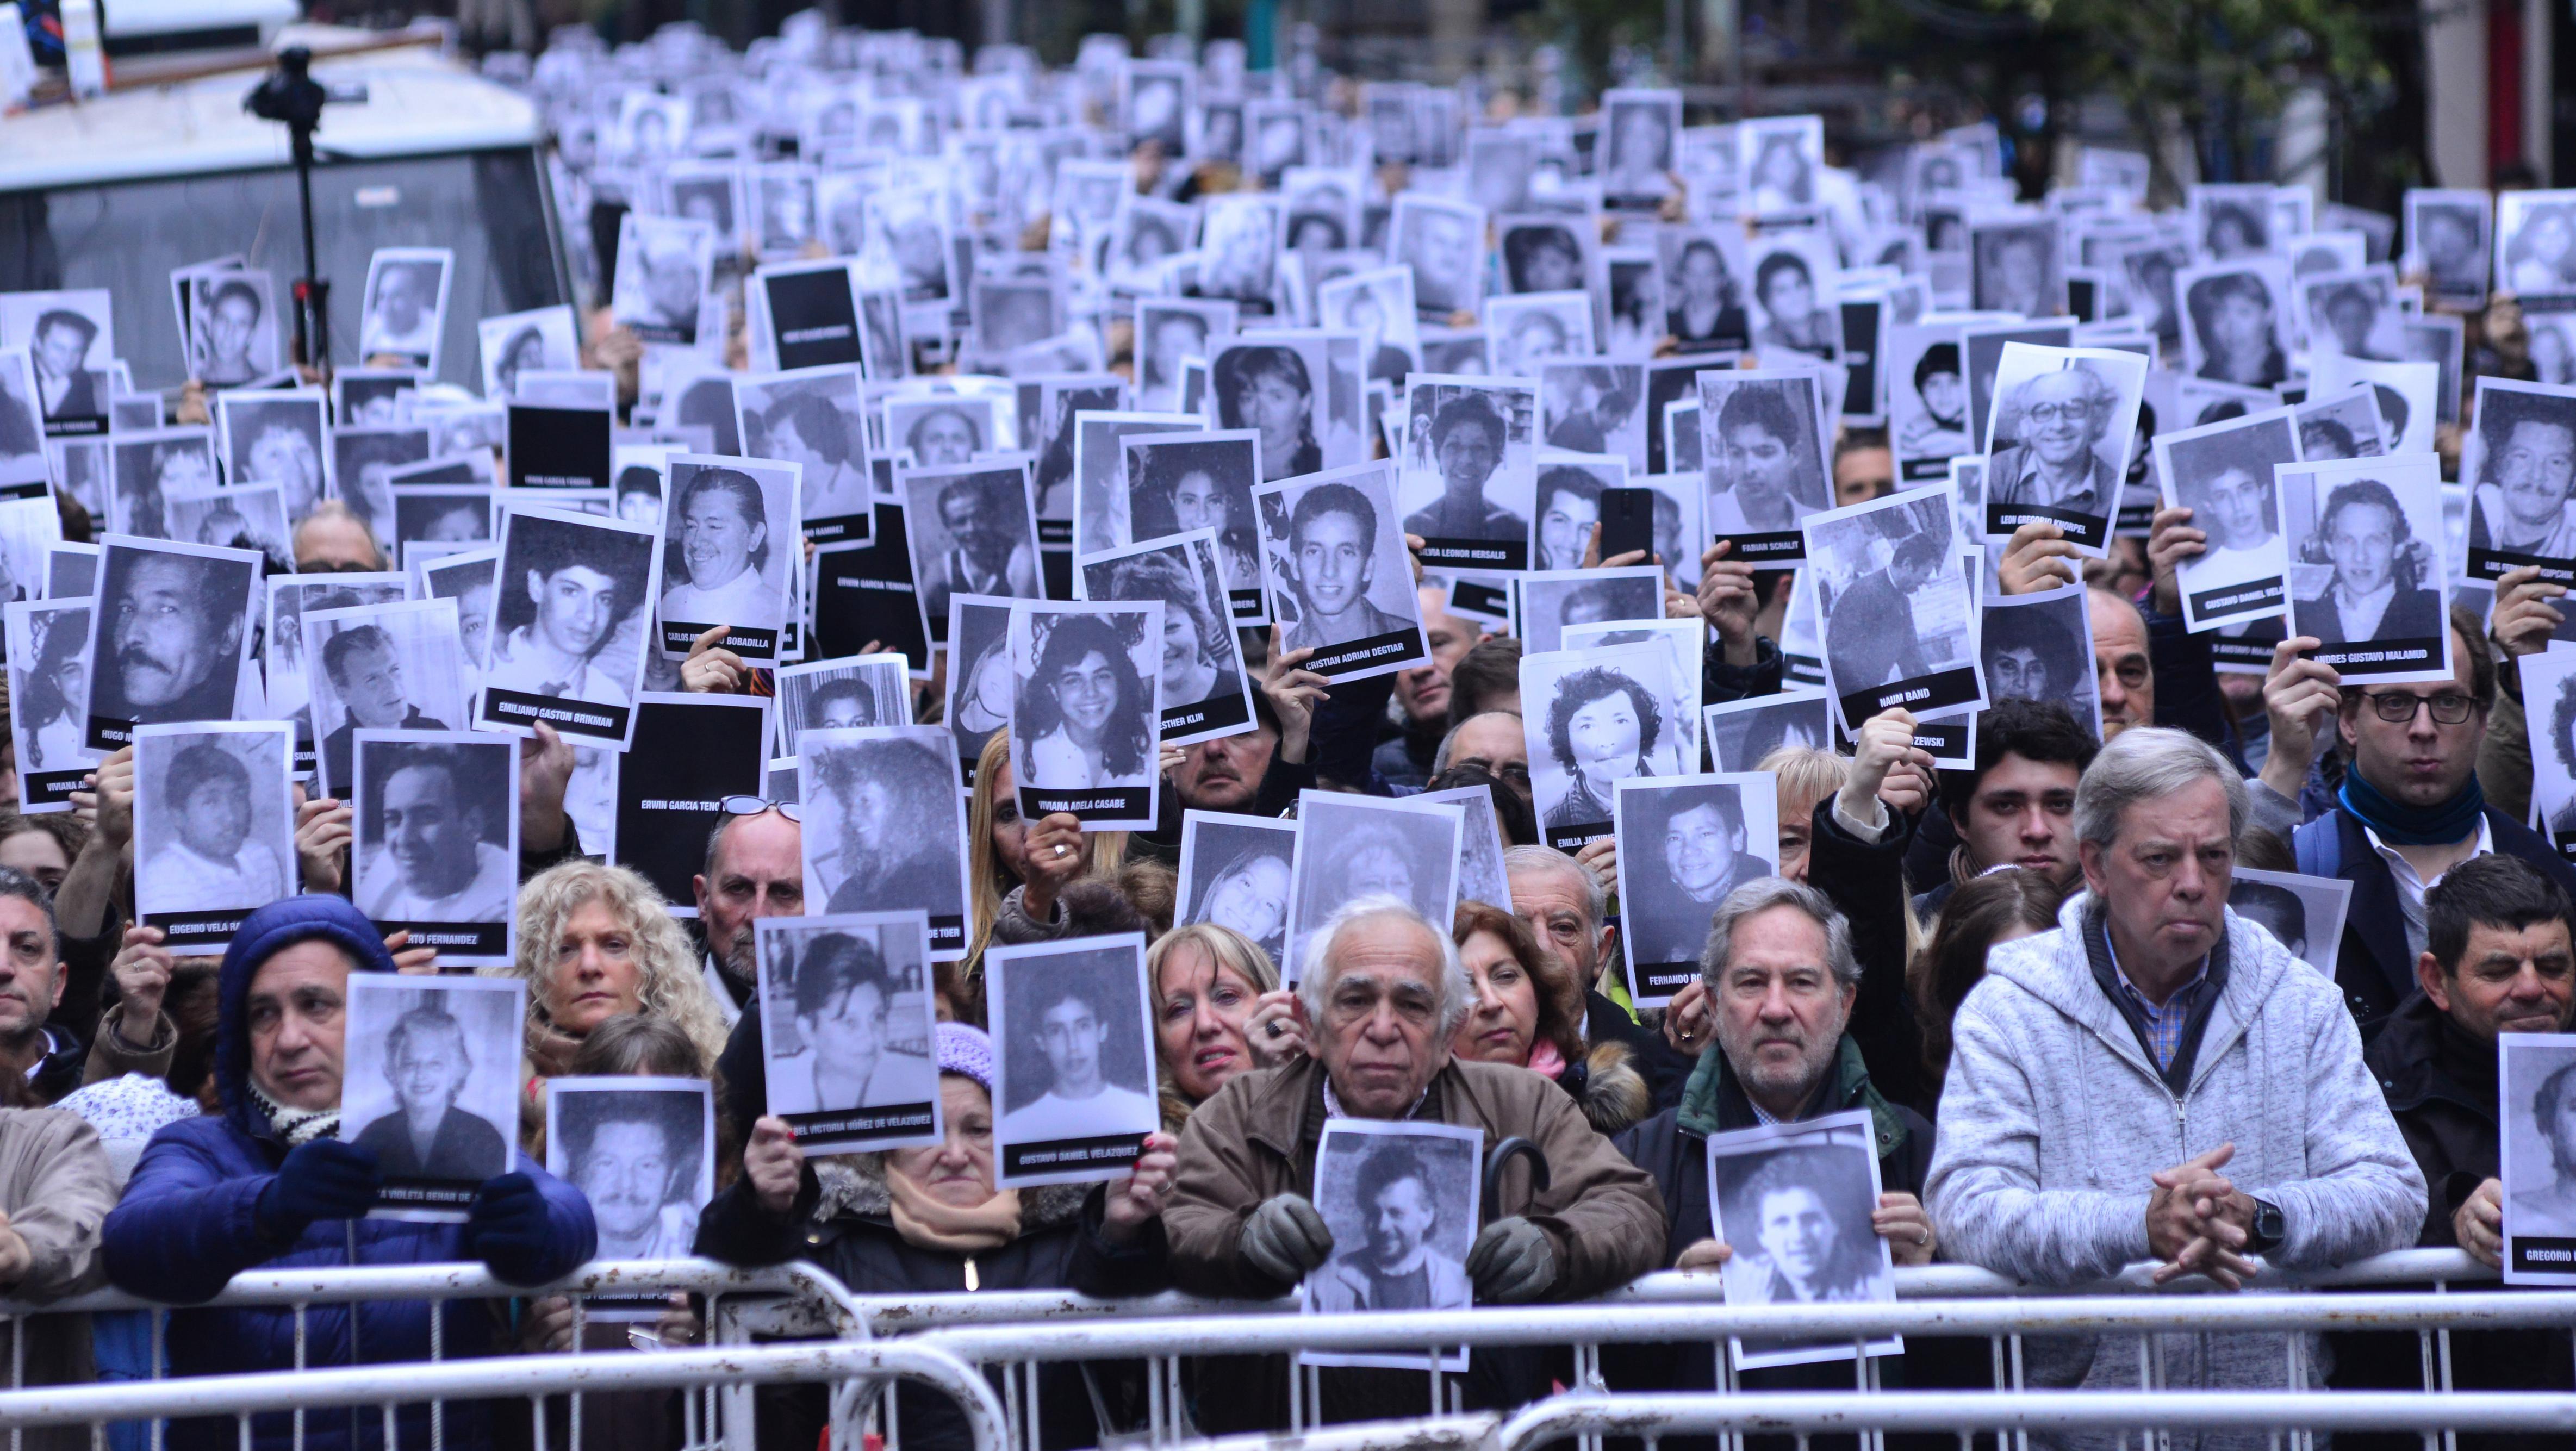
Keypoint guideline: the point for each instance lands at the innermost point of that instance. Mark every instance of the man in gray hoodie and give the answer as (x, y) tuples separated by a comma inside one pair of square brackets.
[(2159, 1079)]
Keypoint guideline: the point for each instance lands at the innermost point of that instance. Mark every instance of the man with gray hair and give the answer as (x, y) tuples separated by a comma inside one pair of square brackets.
[(1564, 905), (2159, 1079), (2048, 452), (1380, 998)]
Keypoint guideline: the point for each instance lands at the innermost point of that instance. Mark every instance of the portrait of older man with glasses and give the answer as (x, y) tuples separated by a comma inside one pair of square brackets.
[(2051, 452)]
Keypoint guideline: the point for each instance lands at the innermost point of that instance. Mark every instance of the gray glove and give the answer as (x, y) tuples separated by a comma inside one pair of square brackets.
[(1285, 1238), (1511, 1262)]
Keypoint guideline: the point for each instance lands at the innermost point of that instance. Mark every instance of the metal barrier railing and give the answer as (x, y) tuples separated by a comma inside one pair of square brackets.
[(1011, 1335)]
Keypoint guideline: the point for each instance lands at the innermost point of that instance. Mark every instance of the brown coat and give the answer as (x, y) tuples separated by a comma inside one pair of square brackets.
[(1257, 1139), (56, 1186)]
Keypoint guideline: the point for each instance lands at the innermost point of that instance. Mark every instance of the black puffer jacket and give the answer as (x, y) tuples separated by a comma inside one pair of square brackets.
[(1059, 1248)]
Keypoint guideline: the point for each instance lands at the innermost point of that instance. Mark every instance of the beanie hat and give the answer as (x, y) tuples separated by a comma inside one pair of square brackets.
[(964, 1049)]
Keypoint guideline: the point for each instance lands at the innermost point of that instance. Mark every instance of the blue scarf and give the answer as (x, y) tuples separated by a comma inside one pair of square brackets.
[(2401, 825)]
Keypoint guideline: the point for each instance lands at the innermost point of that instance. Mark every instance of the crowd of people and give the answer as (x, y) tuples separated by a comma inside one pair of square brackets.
[(2018, 965)]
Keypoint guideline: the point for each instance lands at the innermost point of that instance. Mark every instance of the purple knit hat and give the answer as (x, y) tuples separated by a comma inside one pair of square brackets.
[(964, 1049)]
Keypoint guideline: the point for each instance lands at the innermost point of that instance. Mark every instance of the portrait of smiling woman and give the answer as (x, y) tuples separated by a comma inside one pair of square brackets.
[(1086, 718), (1603, 727), (1268, 389)]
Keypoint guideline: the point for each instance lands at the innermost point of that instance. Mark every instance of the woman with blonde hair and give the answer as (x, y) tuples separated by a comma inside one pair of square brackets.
[(596, 942), (1219, 1013)]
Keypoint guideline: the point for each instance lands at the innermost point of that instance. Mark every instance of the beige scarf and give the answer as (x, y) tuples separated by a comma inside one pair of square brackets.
[(930, 1223)]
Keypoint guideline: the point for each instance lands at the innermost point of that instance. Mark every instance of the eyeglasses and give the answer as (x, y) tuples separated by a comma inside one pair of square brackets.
[(2051, 412), (754, 805), (2397, 707)]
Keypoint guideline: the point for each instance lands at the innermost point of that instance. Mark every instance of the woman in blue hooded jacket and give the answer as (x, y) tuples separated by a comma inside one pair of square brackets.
[(270, 1184)]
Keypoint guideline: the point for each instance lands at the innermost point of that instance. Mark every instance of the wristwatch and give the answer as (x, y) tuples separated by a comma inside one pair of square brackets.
[(2269, 1228)]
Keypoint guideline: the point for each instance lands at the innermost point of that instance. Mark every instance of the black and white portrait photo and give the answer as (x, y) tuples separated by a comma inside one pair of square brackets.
[(1349, 847), (1205, 690), (1401, 1201), (70, 342), (1376, 303), (2341, 425), (1178, 482), (542, 340), (1481, 877), (251, 518), (445, 513), (1794, 1201), (568, 638), (1743, 732), (1235, 872), (1239, 242), (362, 463), (1596, 407), (2536, 243), (642, 1150), (2064, 420), (2537, 1079), (2446, 239), (1086, 711), (48, 679), (2304, 914), (1544, 603), (1927, 399), (1273, 387), (1895, 601), (1592, 718), (431, 1086), (1641, 132), (171, 640), (2407, 395), (1013, 312), (1777, 159), (1707, 286), (2222, 472), (840, 693), (1340, 579), (147, 467), (232, 326), (1764, 449), (664, 271), (971, 529), (1795, 278), (1526, 331), (1468, 479), (1690, 840), (1636, 302), (2520, 463), (29, 531), (729, 545), (22, 428), (214, 835), (287, 597), (2353, 313), (2016, 266), (1545, 252), (1073, 1050), (1568, 505), (379, 667), (885, 824), (1682, 647), (1169, 329), (2237, 321), (2039, 646), (847, 1024), (813, 418), (1443, 241), (2368, 578), (438, 838), (941, 429), (783, 212), (980, 683), (406, 304), (2549, 703), (1981, 352)]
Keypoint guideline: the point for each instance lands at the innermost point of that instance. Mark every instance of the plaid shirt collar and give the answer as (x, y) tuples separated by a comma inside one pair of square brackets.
[(2164, 1024)]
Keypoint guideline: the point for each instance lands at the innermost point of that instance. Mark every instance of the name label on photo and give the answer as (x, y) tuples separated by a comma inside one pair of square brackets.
[(572, 717), (1924, 470), (193, 928), (1246, 603), (1053, 1156), (54, 788), (1477, 553), (1663, 979), (1055, 534), (107, 733), (1946, 740), (2085, 530), (2493, 563), (1936, 691), (1575, 838), (1216, 713), (840, 529), (2544, 1255), (403, 1192), (679, 636), (841, 1127), (1475, 597), (2381, 657), (458, 939), (1802, 669), (31, 489), (1363, 654), (1765, 549), (1099, 803), (2246, 597)]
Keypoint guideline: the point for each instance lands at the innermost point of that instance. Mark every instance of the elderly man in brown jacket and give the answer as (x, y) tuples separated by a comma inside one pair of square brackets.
[(1383, 992), (56, 1187)]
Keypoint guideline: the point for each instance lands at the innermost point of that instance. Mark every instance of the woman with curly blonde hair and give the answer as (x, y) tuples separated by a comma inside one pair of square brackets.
[(596, 942)]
